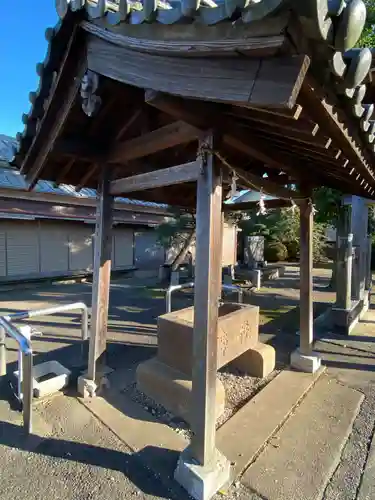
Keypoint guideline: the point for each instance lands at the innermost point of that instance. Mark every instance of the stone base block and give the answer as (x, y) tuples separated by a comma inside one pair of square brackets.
[(303, 363), (172, 389), (88, 388), (257, 362), (344, 320), (202, 482)]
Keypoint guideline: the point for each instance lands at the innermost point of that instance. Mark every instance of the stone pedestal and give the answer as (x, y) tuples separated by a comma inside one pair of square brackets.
[(168, 378), (305, 363), (202, 482), (172, 388)]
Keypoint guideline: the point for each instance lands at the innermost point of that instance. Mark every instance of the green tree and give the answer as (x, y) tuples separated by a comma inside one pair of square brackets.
[(368, 36)]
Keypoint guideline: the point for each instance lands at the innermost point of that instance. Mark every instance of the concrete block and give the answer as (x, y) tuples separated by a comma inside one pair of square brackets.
[(303, 363), (202, 482), (86, 387), (238, 327), (48, 378), (172, 389), (258, 362)]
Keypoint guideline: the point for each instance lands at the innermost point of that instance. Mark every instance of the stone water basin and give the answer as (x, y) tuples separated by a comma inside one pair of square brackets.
[(238, 331)]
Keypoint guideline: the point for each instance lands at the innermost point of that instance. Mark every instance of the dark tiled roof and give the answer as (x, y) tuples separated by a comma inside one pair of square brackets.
[(331, 28)]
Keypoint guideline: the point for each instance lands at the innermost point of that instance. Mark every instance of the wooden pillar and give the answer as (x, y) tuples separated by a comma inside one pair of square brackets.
[(101, 277), (207, 290), (306, 282)]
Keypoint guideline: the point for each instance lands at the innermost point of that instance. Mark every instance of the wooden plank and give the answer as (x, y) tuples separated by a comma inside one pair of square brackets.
[(207, 289), (283, 80), (187, 172), (219, 80), (306, 281), (101, 276), (264, 37), (160, 139)]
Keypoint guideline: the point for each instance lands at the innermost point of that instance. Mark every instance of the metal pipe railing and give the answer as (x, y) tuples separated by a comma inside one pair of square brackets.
[(26, 378), (174, 288), (25, 363), (48, 311)]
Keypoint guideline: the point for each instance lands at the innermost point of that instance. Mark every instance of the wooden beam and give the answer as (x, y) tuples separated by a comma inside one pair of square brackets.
[(101, 276), (90, 172), (162, 138), (128, 123), (66, 169), (306, 281), (187, 172), (202, 117), (272, 83), (60, 102), (207, 290)]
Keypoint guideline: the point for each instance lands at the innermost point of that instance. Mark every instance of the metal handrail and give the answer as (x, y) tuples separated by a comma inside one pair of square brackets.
[(48, 311), (25, 383), (173, 288), (25, 348)]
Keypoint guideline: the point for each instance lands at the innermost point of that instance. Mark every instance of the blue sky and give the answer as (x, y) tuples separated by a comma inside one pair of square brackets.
[(22, 46)]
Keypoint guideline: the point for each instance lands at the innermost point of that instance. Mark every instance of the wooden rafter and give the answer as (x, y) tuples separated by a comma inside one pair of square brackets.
[(325, 111), (90, 172), (165, 137)]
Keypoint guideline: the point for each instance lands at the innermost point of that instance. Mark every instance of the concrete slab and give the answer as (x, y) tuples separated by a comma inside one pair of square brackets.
[(158, 444), (367, 488), (322, 423), (261, 417)]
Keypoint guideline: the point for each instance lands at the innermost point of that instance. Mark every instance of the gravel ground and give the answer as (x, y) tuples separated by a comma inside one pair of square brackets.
[(239, 389)]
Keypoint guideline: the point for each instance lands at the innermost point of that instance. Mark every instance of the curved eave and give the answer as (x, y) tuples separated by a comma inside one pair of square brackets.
[(330, 34)]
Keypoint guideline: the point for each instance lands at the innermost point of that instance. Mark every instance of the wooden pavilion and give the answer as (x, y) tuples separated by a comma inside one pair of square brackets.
[(180, 100)]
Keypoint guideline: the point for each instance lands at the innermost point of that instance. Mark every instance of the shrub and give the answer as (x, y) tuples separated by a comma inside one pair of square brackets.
[(293, 250), (275, 252)]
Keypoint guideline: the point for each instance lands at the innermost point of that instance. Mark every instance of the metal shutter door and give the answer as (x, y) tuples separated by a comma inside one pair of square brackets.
[(148, 254), (22, 249), (54, 249), (3, 262), (123, 248), (80, 248)]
